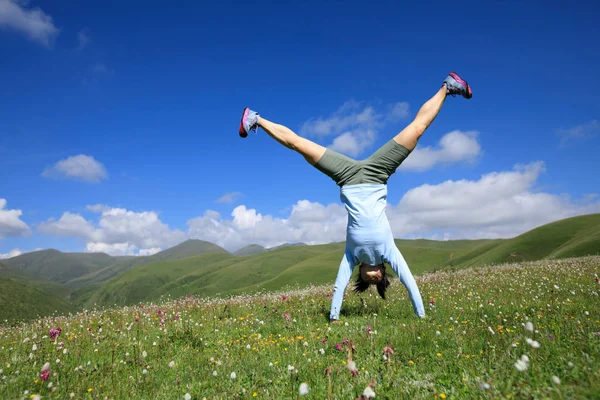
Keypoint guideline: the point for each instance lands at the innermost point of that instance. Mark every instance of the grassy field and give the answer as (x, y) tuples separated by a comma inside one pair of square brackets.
[(518, 331)]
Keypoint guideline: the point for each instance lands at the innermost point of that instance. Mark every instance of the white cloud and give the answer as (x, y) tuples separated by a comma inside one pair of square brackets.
[(499, 204), (149, 252), (32, 22), (229, 197), (10, 222), (308, 222), (354, 125), (118, 231), (83, 39), (97, 208), (453, 147), (10, 254), (583, 131), (79, 167)]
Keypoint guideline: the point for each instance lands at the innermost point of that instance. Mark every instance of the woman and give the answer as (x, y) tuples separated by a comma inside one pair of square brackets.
[(363, 187)]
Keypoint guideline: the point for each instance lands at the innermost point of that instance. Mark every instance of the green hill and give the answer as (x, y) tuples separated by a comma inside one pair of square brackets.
[(250, 249), (571, 237), (21, 301), (86, 285), (274, 269), (58, 266), (305, 265)]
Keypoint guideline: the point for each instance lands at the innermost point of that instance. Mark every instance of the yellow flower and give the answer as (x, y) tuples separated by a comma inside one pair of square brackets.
[(442, 396), (439, 354), (89, 390), (411, 362), (464, 379), (254, 394), (343, 362)]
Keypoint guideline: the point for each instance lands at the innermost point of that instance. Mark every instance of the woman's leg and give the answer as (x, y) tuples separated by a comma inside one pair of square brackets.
[(311, 151), (427, 113)]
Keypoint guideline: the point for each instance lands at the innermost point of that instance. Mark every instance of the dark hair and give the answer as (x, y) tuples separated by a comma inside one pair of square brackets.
[(361, 285)]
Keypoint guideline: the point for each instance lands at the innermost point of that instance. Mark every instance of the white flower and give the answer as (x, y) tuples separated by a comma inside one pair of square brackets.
[(248, 346), (305, 344), (144, 354), (368, 392), (65, 351), (570, 364), (72, 395), (322, 351), (58, 360), (1, 371), (46, 367), (529, 326), (26, 340), (50, 385), (351, 365), (36, 397), (437, 333), (556, 380), (144, 371), (491, 330), (187, 396), (214, 373), (232, 376), (484, 385), (270, 364), (346, 324), (219, 362), (303, 389), (533, 343), (523, 363), (154, 344), (171, 364), (290, 367)]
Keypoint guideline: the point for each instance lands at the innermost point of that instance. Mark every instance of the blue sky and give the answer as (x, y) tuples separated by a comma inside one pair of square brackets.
[(134, 107)]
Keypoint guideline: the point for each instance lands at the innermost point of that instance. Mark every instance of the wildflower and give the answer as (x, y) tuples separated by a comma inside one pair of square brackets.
[(144, 371), (387, 350), (233, 375), (533, 343), (549, 336), (442, 396), (368, 393), (529, 326), (187, 396), (484, 386), (368, 329), (437, 333), (322, 351), (556, 380), (35, 397), (303, 389), (144, 354), (352, 367), (439, 354), (171, 364), (54, 333), (90, 390), (290, 367), (214, 373), (71, 395), (248, 346), (324, 341), (287, 316), (338, 346), (65, 351), (523, 363)]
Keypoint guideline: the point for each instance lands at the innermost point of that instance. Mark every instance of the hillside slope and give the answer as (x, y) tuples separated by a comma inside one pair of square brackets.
[(58, 266), (183, 250), (20, 301), (571, 237)]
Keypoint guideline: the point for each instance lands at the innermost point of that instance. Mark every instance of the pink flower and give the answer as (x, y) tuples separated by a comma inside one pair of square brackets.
[(432, 301), (345, 341), (55, 332), (45, 375), (137, 319), (338, 346), (287, 316), (368, 329), (324, 341), (176, 317)]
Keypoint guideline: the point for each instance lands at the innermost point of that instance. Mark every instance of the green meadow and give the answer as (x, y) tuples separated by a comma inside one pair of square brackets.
[(528, 330)]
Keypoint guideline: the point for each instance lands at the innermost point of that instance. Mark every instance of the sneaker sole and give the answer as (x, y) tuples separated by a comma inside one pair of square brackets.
[(242, 131), (462, 82)]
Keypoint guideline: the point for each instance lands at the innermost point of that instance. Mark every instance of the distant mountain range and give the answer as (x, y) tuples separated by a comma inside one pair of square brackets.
[(45, 281)]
